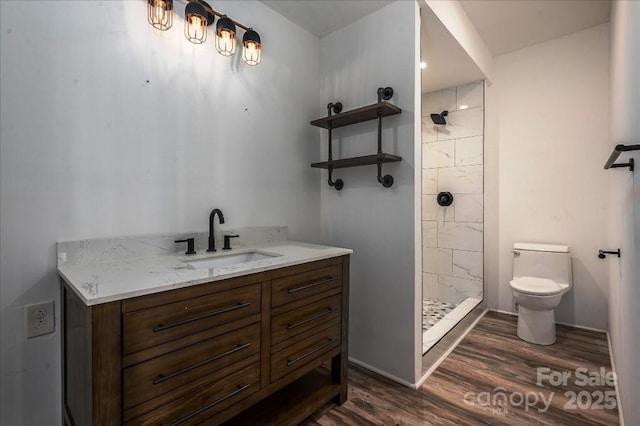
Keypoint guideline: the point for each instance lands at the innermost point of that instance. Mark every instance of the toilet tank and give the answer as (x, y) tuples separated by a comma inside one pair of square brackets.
[(542, 261)]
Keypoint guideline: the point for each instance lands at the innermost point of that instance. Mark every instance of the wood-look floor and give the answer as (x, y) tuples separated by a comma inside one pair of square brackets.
[(490, 357)]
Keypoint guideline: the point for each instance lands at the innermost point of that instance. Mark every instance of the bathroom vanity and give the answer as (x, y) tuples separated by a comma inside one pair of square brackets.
[(153, 340)]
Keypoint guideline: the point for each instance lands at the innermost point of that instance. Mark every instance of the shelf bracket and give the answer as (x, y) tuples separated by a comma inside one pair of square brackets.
[(338, 184), (386, 180)]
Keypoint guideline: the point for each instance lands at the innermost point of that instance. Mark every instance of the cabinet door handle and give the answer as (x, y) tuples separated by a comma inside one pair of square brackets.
[(290, 362), (314, 284), (161, 327), (304, 321), (162, 378), (206, 407)]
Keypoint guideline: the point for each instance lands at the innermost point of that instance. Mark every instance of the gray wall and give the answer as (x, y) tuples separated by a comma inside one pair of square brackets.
[(624, 315), (376, 222), (111, 128)]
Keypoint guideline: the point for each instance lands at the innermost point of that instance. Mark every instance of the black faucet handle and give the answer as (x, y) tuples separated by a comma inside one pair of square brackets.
[(190, 245), (227, 241)]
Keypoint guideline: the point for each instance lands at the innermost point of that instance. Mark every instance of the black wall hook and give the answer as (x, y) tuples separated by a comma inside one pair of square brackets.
[(603, 253)]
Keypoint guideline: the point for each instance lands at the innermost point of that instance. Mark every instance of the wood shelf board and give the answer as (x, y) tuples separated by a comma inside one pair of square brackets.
[(293, 403), (357, 115), (357, 161)]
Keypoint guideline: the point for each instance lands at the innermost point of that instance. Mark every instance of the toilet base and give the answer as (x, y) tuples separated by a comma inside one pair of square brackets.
[(538, 327)]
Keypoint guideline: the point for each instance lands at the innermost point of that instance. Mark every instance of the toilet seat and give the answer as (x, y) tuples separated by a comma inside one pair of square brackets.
[(536, 286)]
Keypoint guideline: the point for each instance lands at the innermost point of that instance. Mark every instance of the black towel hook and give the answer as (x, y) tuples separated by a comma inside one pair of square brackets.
[(603, 253)]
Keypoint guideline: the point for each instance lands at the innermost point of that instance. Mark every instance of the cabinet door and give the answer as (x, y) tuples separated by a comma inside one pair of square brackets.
[(302, 319), (298, 286), (205, 401), (180, 370), (316, 345), (159, 324)]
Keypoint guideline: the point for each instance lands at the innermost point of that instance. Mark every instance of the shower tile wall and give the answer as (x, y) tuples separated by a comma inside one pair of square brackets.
[(452, 160)]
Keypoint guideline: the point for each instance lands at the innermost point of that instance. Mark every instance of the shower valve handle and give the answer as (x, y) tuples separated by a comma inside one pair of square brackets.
[(445, 199)]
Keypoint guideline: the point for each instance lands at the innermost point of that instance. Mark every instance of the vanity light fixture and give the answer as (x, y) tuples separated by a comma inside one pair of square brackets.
[(198, 16), (160, 14)]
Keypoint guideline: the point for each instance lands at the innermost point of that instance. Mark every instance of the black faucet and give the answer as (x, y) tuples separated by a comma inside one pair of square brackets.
[(190, 245), (227, 241), (212, 239)]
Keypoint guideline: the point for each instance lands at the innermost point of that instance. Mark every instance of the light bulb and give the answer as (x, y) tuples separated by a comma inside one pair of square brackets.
[(196, 29), (159, 11)]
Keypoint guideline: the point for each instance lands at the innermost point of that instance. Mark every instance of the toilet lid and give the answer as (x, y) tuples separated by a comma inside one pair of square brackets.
[(536, 286)]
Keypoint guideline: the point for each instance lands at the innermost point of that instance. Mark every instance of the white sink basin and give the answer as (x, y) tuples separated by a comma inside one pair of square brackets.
[(229, 259)]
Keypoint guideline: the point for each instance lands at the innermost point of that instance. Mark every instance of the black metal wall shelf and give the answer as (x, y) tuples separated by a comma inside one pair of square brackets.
[(357, 161), (340, 119), (617, 150), (365, 113)]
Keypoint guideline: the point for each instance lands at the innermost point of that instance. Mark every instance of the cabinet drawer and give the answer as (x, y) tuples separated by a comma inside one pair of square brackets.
[(183, 367), (159, 324), (205, 401), (304, 318), (305, 351), (298, 286)]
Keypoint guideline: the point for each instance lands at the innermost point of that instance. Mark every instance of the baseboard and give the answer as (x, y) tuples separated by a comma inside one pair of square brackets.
[(613, 368), (504, 312), (582, 327), (382, 373), (515, 314), (444, 356)]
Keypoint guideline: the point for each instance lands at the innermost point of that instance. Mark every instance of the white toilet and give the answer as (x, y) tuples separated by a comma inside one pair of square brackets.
[(541, 275)]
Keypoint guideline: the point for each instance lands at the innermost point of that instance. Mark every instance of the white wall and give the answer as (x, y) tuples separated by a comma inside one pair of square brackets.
[(548, 118), (452, 15), (624, 315), (378, 223), (111, 128)]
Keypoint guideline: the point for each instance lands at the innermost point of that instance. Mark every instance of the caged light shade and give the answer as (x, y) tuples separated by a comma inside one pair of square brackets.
[(160, 14), (225, 36), (251, 48), (196, 21)]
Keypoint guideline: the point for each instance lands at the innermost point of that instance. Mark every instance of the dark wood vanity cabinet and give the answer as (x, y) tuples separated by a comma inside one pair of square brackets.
[(265, 348)]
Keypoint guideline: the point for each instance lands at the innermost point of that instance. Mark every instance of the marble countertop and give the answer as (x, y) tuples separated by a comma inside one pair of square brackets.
[(99, 280)]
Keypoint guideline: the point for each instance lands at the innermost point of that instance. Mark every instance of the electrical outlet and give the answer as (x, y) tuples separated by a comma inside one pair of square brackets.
[(40, 319)]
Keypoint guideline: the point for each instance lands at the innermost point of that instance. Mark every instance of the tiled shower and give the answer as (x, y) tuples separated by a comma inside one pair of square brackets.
[(452, 236)]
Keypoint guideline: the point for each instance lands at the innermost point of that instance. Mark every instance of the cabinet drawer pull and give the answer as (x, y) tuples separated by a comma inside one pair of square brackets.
[(290, 362), (304, 321), (162, 378), (161, 327), (206, 407), (307, 286)]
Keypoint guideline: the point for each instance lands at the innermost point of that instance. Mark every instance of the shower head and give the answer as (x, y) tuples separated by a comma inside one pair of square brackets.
[(439, 118)]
